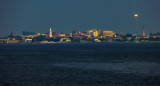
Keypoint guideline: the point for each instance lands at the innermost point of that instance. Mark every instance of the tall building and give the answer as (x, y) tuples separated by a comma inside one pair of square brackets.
[(70, 34), (11, 33), (50, 33), (143, 32), (94, 32)]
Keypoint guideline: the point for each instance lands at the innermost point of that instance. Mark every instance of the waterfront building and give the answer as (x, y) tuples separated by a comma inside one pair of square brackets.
[(44, 41), (155, 35), (54, 33), (3, 40), (12, 41), (70, 34), (75, 34), (38, 34), (143, 32), (89, 36), (28, 40), (94, 32), (82, 34), (50, 33), (65, 40), (97, 40), (107, 33), (62, 35)]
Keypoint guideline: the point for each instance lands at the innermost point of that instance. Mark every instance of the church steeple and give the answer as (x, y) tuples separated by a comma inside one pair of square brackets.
[(11, 34), (143, 32), (50, 33)]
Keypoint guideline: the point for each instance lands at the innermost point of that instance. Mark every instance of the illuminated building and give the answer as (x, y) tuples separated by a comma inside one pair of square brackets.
[(82, 34), (107, 33), (50, 33), (70, 34), (65, 40), (54, 33), (143, 32), (75, 34), (3, 40), (28, 40), (88, 36), (38, 34), (155, 35), (62, 35), (94, 32), (97, 40), (12, 41)]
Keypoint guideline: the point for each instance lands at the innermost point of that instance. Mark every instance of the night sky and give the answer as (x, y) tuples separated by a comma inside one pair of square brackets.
[(79, 15)]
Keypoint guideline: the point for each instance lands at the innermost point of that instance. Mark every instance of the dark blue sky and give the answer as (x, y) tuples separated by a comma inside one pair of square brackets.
[(79, 15)]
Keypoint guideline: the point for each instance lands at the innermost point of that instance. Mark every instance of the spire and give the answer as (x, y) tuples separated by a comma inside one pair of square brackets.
[(11, 33), (143, 32), (50, 29), (50, 33)]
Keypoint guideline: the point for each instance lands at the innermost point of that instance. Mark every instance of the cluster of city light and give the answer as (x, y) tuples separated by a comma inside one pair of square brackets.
[(95, 34)]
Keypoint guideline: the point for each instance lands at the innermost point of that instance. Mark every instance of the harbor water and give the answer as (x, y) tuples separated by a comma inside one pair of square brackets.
[(80, 64)]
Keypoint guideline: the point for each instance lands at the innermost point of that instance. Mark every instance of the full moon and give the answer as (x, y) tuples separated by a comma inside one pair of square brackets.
[(136, 15)]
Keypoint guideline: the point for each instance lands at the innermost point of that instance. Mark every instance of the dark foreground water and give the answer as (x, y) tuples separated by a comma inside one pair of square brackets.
[(91, 64)]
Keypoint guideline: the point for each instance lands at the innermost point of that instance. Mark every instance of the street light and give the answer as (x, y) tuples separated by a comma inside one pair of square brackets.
[(136, 17)]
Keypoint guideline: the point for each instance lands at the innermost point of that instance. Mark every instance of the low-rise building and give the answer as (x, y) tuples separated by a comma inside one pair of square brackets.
[(28, 40), (97, 40), (12, 41), (3, 40), (62, 35), (155, 35), (107, 33), (65, 40)]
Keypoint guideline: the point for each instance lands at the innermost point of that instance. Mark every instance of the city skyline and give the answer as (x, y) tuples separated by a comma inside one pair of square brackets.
[(141, 33), (66, 16), (79, 43)]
